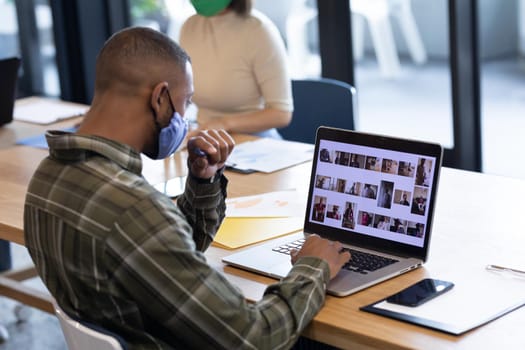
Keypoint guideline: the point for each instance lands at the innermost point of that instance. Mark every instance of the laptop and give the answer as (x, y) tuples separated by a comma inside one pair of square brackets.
[(376, 195), (9, 74)]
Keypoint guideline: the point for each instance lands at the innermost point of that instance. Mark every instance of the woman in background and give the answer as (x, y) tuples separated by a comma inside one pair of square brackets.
[(241, 80)]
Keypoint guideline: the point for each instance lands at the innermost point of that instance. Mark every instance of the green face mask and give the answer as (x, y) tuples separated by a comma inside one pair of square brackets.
[(209, 8)]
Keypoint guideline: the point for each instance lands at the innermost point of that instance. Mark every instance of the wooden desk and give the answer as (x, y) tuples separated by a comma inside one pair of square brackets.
[(12, 175), (15, 131), (476, 223)]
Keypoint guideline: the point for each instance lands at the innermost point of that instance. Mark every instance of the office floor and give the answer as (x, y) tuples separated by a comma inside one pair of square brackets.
[(41, 331), (417, 104)]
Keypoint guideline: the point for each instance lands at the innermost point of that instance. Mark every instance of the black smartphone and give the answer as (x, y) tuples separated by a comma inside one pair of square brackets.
[(420, 292)]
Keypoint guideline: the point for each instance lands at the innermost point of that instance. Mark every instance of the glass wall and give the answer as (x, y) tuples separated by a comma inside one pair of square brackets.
[(401, 60), (148, 13), (297, 23), (38, 54), (502, 60), (402, 65), (402, 71), (44, 22), (8, 30), (165, 16)]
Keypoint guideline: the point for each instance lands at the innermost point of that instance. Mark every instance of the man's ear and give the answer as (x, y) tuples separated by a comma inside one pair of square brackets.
[(157, 96)]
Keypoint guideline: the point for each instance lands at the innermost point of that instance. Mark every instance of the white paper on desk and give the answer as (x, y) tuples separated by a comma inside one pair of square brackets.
[(271, 204), (269, 155), (473, 301), (47, 111)]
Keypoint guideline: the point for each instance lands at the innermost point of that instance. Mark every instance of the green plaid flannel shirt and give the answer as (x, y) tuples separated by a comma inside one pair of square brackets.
[(115, 252)]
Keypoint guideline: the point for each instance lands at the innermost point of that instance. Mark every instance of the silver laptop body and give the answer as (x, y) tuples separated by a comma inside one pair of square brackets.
[(373, 193)]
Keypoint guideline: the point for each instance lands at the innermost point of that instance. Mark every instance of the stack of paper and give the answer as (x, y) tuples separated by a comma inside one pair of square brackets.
[(47, 111), (254, 219), (268, 155)]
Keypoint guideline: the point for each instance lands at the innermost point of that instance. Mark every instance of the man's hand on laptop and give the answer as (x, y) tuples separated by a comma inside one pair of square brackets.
[(322, 248)]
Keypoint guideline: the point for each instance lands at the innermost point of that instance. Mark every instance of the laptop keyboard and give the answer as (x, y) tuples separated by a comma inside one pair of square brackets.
[(360, 262)]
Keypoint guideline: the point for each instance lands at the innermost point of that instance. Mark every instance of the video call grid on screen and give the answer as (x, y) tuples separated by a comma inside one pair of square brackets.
[(372, 191)]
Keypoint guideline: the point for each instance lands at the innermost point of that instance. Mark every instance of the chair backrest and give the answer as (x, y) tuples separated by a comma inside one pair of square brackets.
[(8, 78), (81, 337), (317, 102)]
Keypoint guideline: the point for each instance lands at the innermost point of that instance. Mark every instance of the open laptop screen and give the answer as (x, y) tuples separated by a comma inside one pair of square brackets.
[(374, 191), (8, 78)]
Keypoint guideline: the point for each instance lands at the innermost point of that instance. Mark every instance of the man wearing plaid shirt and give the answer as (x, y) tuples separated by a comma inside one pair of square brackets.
[(116, 253)]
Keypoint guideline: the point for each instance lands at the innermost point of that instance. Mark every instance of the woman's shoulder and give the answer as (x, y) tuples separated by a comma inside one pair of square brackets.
[(191, 19), (260, 22), (259, 18), (255, 21), (189, 23)]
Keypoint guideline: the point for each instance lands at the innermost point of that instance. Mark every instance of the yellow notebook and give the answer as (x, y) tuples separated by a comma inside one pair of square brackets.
[(239, 232)]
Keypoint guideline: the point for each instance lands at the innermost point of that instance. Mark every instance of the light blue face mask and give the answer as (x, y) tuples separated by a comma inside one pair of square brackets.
[(172, 136)]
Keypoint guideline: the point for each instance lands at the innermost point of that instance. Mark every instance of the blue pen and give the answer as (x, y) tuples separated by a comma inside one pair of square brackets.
[(199, 152)]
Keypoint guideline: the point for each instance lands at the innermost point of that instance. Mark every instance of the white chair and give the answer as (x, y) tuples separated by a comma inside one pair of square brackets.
[(80, 337), (4, 334), (376, 14), (292, 18), (302, 62)]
